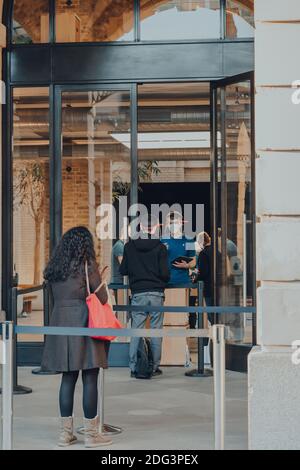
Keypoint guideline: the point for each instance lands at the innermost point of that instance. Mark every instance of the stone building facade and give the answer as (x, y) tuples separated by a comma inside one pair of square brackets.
[(274, 414)]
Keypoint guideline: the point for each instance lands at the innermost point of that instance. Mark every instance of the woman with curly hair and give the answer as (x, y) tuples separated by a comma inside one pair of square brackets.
[(65, 274)]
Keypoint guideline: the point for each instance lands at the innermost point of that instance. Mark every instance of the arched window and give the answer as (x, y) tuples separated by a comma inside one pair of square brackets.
[(121, 20), (180, 19), (30, 24), (75, 21), (94, 20), (239, 18)]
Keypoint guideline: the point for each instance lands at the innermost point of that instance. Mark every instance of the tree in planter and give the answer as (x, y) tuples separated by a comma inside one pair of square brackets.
[(29, 192), (146, 170)]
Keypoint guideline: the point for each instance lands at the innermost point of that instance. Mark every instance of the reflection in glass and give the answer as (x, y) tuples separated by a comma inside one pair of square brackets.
[(173, 133), (94, 20), (180, 19), (30, 197), (30, 25), (174, 168), (235, 232), (95, 163), (240, 18)]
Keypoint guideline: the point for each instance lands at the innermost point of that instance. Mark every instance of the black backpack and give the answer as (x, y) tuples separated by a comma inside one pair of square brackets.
[(144, 364)]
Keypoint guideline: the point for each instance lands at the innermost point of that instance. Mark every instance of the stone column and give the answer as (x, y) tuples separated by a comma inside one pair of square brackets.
[(274, 382)]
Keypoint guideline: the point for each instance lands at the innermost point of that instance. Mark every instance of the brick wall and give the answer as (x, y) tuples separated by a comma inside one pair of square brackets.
[(75, 194)]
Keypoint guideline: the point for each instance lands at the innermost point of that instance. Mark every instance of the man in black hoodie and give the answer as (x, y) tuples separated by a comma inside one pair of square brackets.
[(145, 262)]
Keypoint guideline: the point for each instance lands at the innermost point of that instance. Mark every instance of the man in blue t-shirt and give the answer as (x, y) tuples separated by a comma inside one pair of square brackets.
[(116, 260), (117, 254), (178, 245)]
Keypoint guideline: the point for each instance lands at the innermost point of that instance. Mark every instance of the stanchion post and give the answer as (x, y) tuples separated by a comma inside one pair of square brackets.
[(14, 305), (200, 327), (218, 335), (103, 428), (46, 309), (46, 304), (17, 389), (7, 386), (200, 371)]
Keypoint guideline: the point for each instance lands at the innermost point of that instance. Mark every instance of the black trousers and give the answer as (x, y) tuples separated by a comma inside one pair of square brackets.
[(90, 393)]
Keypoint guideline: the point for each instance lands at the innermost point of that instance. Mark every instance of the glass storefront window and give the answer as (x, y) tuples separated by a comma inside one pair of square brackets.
[(31, 217), (235, 269), (239, 19), (99, 21), (180, 19), (30, 24), (94, 20)]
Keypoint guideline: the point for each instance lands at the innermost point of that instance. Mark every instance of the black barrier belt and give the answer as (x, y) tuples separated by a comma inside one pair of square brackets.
[(166, 309), (73, 331), (30, 290), (169, 286)]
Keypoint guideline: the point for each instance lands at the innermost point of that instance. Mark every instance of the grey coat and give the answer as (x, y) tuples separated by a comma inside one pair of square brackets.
[(70, 353)]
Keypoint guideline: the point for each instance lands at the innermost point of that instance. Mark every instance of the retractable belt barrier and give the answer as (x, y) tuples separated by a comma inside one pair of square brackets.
[(8, 330), (16, 292), (137, 308), (199, 310), (8, 349)]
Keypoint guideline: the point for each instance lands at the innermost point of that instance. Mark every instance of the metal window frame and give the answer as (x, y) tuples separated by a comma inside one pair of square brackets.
[(136, 28), (215, 86), (57, 183)]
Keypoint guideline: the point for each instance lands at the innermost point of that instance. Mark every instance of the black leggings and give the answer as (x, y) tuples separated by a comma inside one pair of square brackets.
[(90, 392)]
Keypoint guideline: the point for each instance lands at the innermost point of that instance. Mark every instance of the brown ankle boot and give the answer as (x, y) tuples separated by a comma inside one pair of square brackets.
[(93, 438), (66, 436)]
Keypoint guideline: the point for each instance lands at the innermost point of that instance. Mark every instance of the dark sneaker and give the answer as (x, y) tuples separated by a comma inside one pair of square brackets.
[(157, 372), (132, 374)]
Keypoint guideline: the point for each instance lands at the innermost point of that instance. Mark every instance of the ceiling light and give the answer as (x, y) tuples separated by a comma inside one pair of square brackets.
[(167, 140)]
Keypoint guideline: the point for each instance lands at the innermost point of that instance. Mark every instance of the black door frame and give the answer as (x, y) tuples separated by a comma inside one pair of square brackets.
[(236, 355), (32, 351), (57, 156)]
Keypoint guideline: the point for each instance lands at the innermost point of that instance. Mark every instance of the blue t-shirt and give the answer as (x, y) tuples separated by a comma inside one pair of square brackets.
[(179, 247)]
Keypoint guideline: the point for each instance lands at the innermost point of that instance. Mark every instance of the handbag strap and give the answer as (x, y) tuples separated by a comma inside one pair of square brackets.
[(103, 276), (87, 278)]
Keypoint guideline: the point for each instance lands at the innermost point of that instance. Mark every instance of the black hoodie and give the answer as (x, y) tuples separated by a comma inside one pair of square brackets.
[(145, 262)]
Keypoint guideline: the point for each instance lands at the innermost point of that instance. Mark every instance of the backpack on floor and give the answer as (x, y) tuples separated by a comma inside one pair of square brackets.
[(144, 365)]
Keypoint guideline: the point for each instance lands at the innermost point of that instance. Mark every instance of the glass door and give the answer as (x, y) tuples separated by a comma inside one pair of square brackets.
[(95, 125), (234, 229)]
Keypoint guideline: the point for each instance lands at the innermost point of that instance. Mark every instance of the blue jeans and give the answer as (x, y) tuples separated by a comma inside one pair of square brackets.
[(155, 299)]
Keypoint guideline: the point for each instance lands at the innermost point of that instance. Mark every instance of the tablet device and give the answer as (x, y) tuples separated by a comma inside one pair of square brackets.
[(187, 259)]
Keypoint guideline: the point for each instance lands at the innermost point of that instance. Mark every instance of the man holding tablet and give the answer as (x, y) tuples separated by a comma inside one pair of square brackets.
[(181, 250), (181, 258)]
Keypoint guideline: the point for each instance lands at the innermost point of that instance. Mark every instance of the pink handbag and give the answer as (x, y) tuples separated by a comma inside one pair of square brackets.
[(100, 316)]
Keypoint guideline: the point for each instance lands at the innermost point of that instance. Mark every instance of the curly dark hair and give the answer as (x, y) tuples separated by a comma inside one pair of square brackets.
[(74, 249)]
